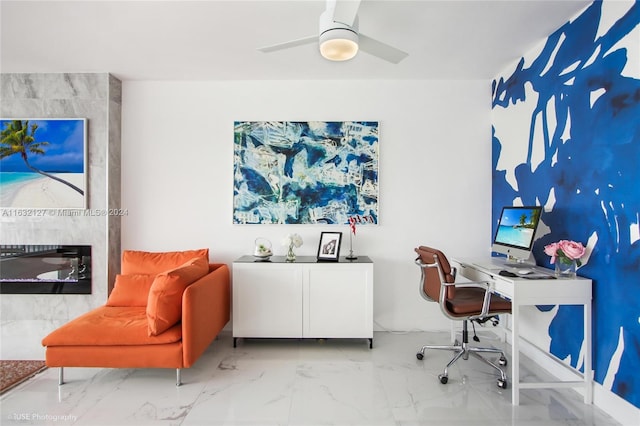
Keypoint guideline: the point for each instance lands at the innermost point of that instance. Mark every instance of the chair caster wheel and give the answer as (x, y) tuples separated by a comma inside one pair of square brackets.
[(502, 384), (443, 379), (420, 356), (502, 361)]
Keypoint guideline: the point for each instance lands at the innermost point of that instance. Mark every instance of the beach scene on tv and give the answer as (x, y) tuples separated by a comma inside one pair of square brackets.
[(517, 226), (42, 163)]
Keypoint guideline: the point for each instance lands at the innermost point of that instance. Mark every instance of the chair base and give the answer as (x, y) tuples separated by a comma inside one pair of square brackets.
[(463, 350)]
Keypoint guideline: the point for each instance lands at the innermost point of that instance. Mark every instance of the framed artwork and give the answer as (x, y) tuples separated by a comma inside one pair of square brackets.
[(305, 172), (43, 163), (329, 246)]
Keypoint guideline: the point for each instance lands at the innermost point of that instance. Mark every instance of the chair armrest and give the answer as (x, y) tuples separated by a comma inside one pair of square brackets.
[(206, 306), (484, 285)]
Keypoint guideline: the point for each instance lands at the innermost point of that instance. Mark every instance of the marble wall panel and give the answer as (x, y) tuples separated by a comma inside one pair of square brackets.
[(26, 319), (22, 86), (76, 86), (114, 180)]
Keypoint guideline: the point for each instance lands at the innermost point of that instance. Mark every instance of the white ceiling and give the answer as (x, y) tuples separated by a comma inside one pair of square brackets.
[(217, 40)]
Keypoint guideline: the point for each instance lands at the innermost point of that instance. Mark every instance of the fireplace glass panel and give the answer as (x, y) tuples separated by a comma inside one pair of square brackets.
[(45, 269)]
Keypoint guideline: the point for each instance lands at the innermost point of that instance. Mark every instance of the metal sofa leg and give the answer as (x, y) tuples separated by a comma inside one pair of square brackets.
[(61, 376), (178, 377)]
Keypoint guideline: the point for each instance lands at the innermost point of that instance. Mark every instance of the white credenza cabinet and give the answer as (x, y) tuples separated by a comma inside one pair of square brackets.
[(303, 299)]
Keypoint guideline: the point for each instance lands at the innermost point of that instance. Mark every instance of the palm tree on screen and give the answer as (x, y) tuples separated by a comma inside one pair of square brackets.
[(535, 216), (523, 219), (19, 138)]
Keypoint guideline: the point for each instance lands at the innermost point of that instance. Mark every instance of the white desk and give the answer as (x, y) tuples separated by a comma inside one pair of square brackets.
[(523, 292)]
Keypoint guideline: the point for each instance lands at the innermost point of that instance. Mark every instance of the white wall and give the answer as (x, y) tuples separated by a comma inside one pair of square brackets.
[(435, 173)]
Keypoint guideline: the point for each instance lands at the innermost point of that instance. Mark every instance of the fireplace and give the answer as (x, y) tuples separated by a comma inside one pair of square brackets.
[(45, 269)]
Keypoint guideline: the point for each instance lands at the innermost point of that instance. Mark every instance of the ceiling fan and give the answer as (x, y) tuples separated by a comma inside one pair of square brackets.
[(339, 39)]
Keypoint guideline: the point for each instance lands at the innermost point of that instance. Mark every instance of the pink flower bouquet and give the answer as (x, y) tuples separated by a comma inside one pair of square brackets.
[(565, 251)]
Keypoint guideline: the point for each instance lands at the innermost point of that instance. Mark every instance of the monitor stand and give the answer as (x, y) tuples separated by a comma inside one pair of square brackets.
[(508, 262), (514, 262)]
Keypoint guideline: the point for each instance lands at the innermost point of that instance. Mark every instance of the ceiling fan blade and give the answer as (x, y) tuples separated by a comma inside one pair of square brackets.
[(289, 44), (346, 11), (381, 50)]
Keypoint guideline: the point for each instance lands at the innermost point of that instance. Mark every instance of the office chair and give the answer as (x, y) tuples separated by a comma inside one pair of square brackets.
[(461, 302)]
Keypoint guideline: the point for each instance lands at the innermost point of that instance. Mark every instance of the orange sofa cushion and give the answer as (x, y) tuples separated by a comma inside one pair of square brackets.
[(110, 326), (131, 290), (164, 307), (152, 263)]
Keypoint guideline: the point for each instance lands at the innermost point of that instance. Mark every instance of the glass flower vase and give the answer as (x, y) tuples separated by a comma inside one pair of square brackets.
[(291, 256), (566, 268)]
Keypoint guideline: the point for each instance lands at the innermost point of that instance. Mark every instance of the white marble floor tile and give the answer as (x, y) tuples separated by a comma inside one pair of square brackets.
[(297, 382), (246, 391), (339, 392)]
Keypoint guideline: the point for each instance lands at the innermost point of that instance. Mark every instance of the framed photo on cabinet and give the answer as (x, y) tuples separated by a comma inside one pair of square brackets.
[(329, 246)]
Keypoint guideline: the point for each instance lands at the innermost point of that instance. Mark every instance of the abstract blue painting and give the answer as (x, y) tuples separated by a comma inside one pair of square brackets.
[(305, 172), (567, 136)]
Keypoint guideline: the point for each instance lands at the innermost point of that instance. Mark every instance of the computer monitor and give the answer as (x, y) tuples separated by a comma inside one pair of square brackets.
[(516, 232)]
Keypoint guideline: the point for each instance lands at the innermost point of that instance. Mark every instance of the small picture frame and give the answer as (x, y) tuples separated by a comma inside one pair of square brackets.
[(329, 247)]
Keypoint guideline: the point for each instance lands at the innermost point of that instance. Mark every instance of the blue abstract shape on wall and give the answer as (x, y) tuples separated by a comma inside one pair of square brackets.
[(589, 175), (305, 172)]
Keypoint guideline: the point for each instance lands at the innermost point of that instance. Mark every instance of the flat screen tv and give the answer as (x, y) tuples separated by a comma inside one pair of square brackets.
[(516, 232)]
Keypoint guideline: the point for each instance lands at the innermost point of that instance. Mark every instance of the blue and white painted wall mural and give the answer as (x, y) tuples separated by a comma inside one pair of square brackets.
[(566, 125), (305, 172)]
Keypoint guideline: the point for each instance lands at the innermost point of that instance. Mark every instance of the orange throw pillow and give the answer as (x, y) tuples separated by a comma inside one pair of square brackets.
[(164, 307), (145, 262), (131, 290)]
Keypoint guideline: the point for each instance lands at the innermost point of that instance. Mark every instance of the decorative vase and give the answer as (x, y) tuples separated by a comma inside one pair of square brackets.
[(291, 256), (351, 256), (566, 268)]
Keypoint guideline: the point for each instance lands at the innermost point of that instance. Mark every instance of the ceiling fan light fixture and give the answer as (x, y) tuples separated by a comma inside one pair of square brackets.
[(338, 44)]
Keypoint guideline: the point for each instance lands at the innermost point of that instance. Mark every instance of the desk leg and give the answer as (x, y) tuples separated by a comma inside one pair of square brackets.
[(515, 355), (588, 351)]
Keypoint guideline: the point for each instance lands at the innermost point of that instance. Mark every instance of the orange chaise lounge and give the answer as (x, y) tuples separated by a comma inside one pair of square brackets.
[(164, 310)]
